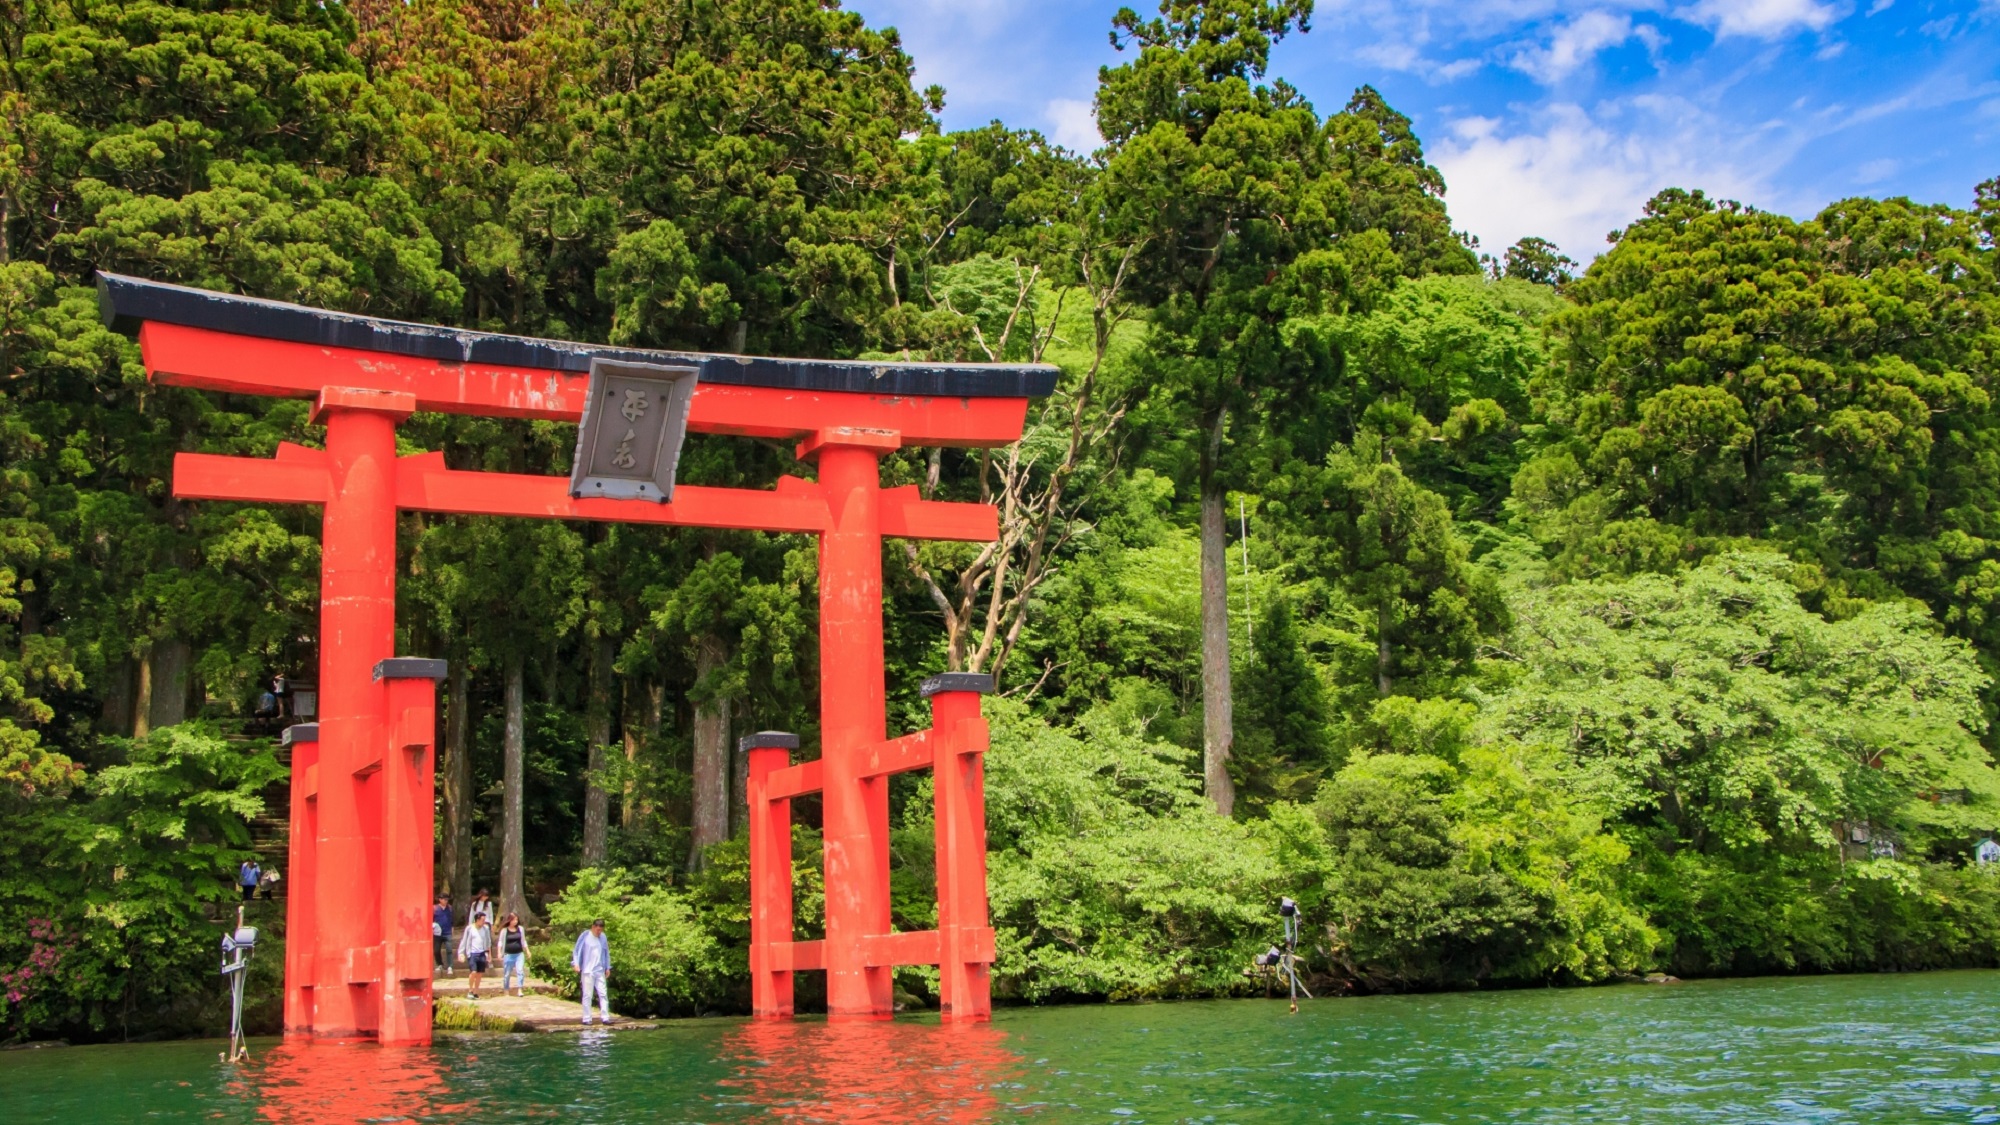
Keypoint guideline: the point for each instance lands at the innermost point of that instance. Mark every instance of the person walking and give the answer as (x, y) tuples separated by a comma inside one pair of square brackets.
[(267, 884), (482, 906), (512, 944), (474, 946), (592, 961), (246, 878), (441, 934)]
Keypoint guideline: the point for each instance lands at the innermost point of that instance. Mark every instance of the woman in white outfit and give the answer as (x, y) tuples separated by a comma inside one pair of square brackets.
[(592, 961)]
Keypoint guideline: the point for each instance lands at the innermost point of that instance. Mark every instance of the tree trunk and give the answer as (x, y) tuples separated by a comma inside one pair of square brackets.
[(711, 753), (1217, 714), (628, 801), (739, 783), (142, 699), (165, 684), (597, 802), (513, 892), (1382, 681), (117, 716), (456, 781)]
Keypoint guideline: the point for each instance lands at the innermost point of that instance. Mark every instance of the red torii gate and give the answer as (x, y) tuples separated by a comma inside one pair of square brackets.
[(357, 963)]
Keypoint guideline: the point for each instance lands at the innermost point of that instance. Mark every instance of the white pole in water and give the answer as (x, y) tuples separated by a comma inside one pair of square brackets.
[(1291, 957), (237, 945), (1289, 910)]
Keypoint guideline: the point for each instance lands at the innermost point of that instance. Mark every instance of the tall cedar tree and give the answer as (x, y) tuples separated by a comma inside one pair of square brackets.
[(1254, 211)]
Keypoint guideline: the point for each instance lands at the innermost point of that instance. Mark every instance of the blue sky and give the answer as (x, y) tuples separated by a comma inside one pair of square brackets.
[(1556, 118)]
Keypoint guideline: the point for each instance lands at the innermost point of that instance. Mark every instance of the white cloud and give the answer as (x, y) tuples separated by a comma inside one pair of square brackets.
[(1391, 55), (1760, 19), (1073, 124), (1875, 171), (1573, 45), (1571, 177)]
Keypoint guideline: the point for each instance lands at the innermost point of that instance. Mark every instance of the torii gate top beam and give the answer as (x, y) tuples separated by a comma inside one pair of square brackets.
[(215, 341)]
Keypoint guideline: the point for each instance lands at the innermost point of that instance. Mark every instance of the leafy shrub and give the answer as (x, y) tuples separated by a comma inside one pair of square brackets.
[(1110, 875), (663, 959), (105, 893)]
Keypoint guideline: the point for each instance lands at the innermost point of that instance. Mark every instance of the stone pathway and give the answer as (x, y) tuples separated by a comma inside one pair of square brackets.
[(538, 1008)]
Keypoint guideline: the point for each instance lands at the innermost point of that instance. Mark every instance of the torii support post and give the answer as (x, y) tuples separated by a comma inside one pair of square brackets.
[(962, 946), (958, 776), (770, 872), (357, 630), (407, 781), (856, 807), (301, 929)]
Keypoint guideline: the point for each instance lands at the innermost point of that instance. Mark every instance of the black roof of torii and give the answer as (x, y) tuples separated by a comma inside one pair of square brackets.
[(126, 302)]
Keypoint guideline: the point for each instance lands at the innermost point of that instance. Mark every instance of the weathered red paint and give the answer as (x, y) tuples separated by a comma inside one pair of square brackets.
[(770, 884), (358, 958), (408, 782), (357, 629), (959, 780), (301, 903), (855, 807)]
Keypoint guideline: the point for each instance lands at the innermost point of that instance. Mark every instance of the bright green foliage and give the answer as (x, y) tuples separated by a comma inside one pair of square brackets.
[(104, 899), (1740, 741), (1435, 873), (1389, 545), (1826, 384), (1715, 710), (662, 960), (1254, 209), (1281, 710), (1441, 366), (1109, 876)]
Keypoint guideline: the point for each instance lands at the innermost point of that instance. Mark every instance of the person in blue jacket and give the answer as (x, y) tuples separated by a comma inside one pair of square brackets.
[(441, 934), (592, 961)]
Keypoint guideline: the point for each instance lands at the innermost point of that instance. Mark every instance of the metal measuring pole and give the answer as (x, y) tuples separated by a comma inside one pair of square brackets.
[(236, 950)]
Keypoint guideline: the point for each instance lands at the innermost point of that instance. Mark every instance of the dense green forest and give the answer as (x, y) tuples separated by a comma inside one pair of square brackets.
[(1525, 623)]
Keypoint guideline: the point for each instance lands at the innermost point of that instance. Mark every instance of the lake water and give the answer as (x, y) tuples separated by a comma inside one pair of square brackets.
[(1875, 1049)]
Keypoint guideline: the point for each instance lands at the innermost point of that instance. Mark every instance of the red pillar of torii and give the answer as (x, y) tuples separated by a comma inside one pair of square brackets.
[(358, 960)]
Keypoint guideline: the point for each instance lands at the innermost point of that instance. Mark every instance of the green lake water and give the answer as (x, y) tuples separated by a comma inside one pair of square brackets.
[(1874, 1049)]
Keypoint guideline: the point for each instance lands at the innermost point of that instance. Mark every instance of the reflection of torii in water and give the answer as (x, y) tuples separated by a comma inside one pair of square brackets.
[(357, 964), (886, 1072)]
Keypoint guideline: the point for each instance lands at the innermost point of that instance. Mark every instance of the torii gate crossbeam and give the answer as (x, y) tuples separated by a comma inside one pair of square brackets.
[(357, 956)]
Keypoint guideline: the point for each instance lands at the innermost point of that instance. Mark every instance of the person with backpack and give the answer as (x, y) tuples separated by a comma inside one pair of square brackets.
[(474, 946)]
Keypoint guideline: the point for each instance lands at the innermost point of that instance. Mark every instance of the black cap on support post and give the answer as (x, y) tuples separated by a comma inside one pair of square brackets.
[(410, 668), (299, 732), (957, 681), (768, 740)]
